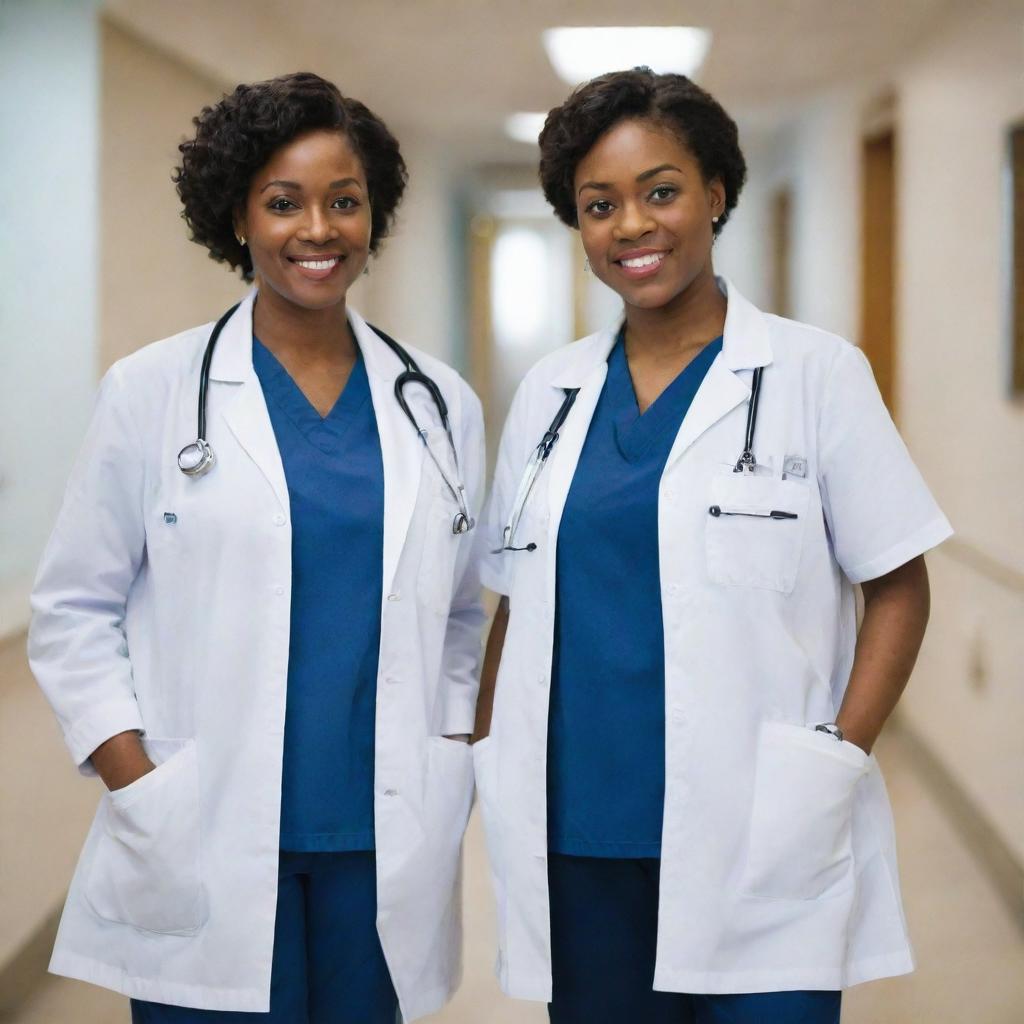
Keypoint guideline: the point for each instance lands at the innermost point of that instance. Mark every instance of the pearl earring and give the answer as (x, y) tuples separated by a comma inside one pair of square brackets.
[(714, 220)]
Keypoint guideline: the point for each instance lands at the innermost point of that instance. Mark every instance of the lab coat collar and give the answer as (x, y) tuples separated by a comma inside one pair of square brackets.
[(745, 344), (232, 355), (401, 449)]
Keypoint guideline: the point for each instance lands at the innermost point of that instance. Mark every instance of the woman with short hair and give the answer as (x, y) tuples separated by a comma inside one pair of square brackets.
[(674, 734), (264, 638)]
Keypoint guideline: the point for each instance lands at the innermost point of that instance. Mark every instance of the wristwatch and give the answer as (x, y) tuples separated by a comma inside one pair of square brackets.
[(831, 728)]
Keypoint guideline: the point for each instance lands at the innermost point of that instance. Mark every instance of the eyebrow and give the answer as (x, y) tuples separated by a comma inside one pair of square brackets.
[(296, 187), (603, 186)]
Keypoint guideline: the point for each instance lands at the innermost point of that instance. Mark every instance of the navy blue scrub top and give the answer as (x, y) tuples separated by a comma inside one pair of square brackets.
[(335, 480), (606, 726)]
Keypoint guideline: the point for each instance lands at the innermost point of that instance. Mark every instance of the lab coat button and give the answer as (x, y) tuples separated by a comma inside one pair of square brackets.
[(279, 591), (395, 596), (279, 520), (391, 792)]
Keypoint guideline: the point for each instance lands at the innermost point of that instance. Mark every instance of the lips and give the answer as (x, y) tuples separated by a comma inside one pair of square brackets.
[(316, 268), (641, 263)]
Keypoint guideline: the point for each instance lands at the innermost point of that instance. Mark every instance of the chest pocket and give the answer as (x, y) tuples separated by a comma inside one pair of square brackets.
[(754, 530)]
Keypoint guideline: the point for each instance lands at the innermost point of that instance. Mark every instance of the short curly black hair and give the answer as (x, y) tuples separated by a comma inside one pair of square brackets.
[(674, 101), (237, 136)]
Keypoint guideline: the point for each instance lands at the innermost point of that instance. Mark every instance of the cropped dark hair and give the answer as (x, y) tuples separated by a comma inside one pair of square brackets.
[(237, 136), (674, 101)]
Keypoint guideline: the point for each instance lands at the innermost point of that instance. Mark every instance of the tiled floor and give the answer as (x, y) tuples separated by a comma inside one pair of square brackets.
[(970, 950)]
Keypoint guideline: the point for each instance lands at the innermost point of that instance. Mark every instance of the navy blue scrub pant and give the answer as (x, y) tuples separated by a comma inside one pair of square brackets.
[(604, 925), (328, 965)]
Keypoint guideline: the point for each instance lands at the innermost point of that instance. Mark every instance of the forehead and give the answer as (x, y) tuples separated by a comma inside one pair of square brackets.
[(631, 147), (313, 157)]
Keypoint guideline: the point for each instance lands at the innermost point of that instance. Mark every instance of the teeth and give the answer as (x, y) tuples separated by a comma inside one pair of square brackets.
[(644, 261), (317, 264)]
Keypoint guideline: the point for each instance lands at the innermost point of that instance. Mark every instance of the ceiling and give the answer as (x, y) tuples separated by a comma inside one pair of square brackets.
[(454, 68)]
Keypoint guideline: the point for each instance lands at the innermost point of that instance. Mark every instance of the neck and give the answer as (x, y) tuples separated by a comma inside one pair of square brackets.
[(689, 321), (285, 327)]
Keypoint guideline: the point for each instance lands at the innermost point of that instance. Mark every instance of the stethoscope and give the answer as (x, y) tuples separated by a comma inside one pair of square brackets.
[(746, 463), (197, 458)]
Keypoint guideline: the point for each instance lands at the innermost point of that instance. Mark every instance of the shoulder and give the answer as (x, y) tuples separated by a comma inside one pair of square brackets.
[(162, 360), (461, 398), (794, 341), (555, 365)]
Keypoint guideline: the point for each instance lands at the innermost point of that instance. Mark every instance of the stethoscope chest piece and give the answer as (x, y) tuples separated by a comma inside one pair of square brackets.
[(196, 458)]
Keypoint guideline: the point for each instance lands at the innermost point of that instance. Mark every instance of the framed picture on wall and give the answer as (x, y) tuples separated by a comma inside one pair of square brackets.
[(1015, 256)]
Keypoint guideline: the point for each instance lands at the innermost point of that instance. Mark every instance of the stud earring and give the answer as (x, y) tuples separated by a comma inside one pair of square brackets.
[(714, 220), (241, 240)]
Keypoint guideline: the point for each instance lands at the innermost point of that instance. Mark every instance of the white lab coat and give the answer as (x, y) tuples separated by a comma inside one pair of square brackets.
[(181, 629), (778, 867)]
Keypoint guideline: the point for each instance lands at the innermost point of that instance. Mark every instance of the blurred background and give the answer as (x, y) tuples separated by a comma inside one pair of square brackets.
[(885, 202)]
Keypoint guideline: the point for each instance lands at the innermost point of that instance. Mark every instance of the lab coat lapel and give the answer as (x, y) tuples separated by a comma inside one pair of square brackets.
[(587, 372), (246, 411), (720, 392), (401, 449), (745, 345)]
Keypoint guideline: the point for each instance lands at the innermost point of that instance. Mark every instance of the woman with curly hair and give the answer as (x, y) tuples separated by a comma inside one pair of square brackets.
[(677, 713), (265, 640)]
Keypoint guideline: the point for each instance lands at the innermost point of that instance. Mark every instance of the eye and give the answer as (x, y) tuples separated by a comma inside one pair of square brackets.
[(281, 204), (663, 193), (598, 206), (344, 203)]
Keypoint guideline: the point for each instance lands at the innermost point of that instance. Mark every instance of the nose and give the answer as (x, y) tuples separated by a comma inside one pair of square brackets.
[(316, 227), (632, 223)]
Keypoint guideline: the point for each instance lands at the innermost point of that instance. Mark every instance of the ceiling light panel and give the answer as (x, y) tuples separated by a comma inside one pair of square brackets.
[(579, 54)]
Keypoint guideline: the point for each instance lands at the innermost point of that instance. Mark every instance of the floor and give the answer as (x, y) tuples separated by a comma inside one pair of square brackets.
[(969, 947)]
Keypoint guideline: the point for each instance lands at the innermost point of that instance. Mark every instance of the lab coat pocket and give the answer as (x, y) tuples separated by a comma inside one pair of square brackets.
[(754, 530), (800, 829), (485, 769), (146, 868), (449, 788)]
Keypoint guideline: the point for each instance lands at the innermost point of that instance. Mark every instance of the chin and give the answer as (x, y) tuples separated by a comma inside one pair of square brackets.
[(312, 298), (650, 298)]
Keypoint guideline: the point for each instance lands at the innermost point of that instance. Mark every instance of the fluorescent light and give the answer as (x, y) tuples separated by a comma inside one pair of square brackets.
[(524, 126), (579, 54)]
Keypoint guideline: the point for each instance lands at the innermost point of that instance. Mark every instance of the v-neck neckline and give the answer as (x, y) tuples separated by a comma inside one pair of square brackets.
[(635, 431), (281, 388)]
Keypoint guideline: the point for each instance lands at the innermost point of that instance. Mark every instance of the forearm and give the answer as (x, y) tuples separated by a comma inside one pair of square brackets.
[(489, 675), (895, 616), (121, 760)]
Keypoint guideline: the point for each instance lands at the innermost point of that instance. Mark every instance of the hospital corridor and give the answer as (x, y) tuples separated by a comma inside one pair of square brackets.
[(883, 203)]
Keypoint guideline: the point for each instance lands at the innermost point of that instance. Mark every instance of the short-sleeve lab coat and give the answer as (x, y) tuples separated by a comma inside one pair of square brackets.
[(163, 604), (778, 868)]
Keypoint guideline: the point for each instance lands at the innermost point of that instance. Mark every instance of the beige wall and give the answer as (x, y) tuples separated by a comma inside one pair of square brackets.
[(153, 281), (956, 100)]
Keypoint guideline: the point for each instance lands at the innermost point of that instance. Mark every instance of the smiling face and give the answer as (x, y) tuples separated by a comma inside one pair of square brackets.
[(307, 220), (645, 214)]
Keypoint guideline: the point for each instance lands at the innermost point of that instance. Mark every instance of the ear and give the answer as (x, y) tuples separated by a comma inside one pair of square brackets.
[(716, 197), (239, 225)]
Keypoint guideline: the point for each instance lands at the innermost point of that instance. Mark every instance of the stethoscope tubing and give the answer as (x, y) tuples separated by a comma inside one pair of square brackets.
[(746, 463), (201, 458)]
